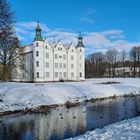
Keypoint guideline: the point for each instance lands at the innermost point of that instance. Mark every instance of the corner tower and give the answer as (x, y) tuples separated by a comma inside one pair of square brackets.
[(38, 55), (80, 58), (15, 41), (38, 36), (80, 41)]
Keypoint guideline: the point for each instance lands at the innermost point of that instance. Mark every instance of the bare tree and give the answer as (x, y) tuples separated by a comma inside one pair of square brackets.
[(99, 64), (95, 65), (111, 59), (8, 43), (123, 58), (138, 59), (133, 56)]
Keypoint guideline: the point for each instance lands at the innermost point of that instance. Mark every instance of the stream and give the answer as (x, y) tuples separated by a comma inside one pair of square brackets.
[(61, 122)]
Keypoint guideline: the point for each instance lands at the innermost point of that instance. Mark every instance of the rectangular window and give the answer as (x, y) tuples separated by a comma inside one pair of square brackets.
[(37, 44), (64, 65), (64, 57), (47, 55), (47, 74), (37, 74), (47, 64), (37, 53), (60, 65), (56, 74), (56, 56), (60, 74), (72, 57), (80, 74), (64, 74), (72, 74), (37, 63), (56, 65), (72, 66)]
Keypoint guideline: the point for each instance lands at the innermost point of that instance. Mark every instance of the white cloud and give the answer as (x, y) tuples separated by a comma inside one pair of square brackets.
[(26, 25), (66, 37), (94, 41), (87, 16)]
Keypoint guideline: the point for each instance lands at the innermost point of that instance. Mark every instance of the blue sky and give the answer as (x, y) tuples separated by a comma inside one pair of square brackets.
[(104, 23)]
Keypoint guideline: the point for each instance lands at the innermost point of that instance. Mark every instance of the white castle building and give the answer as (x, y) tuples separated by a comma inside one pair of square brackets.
[(45, 61)]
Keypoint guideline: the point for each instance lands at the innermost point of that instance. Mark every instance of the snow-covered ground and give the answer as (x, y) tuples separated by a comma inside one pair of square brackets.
[(14, 96), (124, 130)]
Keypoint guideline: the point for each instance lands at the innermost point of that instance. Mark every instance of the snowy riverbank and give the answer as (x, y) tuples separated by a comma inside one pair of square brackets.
[(17, 96), (124, 130)]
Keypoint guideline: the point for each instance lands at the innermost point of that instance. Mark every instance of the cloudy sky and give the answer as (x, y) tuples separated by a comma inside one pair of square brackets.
[(104, 23)]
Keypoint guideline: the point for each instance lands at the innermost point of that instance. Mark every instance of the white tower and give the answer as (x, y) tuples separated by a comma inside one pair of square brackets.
[(80, 58), (38, 56)]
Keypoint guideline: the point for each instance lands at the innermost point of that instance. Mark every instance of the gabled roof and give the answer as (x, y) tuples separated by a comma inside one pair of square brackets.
[(59, 44)]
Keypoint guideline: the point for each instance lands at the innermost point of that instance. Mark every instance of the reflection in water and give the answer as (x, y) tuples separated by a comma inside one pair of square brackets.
[(60, 123), (63, 123)]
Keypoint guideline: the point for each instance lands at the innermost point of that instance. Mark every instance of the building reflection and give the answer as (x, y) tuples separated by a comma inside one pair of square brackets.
[(60, 123), (63, 123)]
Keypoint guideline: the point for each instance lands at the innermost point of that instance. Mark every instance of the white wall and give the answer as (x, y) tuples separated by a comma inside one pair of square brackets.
[(70, 62)]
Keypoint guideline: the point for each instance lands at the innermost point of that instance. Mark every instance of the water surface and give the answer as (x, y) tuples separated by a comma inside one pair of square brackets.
[(61, 123)]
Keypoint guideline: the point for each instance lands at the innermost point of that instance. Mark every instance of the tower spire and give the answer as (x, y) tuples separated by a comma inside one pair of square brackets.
[(38, 36), (80, 40), (15, 40)]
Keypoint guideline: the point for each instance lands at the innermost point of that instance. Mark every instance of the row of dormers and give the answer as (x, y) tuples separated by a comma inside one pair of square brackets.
[(56, 45)]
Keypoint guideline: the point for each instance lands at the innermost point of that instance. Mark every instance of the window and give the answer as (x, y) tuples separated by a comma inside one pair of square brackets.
[(72, 66), (37, 44), (56, 65), (72, 74), (47, 74), (80, 74), (80, 50), (46, 47), (64, 74), (47, 55), (37, 53), (60, 74), (60, 65), (37, 63), (60, 56), (56, 56), (80, 57), (60, 49), (47, 64), (56, 74), (37, 74), (64, 65), (72, 57), (64, 57)]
